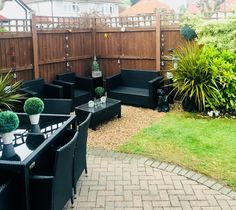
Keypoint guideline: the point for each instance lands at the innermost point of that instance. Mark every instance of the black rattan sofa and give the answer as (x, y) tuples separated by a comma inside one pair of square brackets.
[(135, 87)]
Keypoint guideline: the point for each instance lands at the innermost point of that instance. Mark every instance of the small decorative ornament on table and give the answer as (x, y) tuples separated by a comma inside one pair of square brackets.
[(9, 122), (91, 104)]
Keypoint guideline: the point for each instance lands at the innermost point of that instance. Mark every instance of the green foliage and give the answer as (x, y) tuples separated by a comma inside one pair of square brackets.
[(2, 30), (195, 142), (33, 106), (221, 34), (209, 7), (9, 121), (224, 63), (208, 76), (193, 77), (99, 92), (95, 66), (188, 33), (134, 2), (9, 92)]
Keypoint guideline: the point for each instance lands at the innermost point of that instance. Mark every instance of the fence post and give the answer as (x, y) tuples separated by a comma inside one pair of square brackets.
[(35, 47), (158, 41)]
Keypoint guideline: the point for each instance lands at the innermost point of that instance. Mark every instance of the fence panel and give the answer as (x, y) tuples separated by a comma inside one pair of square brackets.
[(16, 54)]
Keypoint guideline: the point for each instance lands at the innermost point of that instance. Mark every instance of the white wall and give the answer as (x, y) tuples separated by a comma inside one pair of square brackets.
[(12, 10), (68, 9)]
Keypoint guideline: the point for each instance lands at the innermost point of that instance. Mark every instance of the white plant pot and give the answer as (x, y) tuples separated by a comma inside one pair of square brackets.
[(7, 137), (34, 119), (96, 74)]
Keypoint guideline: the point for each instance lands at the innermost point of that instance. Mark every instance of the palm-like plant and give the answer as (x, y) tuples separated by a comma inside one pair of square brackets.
[(9, 92), (193, 78)]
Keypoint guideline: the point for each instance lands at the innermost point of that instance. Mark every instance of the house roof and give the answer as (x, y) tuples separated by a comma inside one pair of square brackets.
[(145, 7), (79, 1), (226, 6)]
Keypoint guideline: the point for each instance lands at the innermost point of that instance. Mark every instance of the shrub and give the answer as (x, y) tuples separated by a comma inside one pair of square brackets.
[(188, 33), (221, 34), (33, 106), (9, 121), (99, 92), (193, 77), (9, 92)]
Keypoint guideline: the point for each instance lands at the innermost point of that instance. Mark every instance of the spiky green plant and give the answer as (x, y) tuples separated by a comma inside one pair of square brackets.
[(9, 92), (194, 78)]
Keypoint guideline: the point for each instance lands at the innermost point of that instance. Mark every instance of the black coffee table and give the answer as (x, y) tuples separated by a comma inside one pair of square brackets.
[(100, 114)]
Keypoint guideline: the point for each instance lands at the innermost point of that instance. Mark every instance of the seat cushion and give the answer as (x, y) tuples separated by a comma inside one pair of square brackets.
[(78, 93), (131, 90), (81, 97), (130, 95)]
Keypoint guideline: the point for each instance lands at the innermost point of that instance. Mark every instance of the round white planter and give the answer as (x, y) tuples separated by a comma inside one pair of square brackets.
[(96, 74), (34, 119), (7, 137)]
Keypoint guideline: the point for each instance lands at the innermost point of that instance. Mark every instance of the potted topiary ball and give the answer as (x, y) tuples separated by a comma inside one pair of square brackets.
[(33, 107), (96, 72), (99, 92), (9, 122)]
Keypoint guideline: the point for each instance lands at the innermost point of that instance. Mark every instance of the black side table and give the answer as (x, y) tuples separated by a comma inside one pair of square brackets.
[(97, 82)]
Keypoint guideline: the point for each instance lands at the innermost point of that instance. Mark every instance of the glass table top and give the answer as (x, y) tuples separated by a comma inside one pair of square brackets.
[(27, 138)]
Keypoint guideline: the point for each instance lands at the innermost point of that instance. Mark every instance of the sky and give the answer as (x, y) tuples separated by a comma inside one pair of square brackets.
[(174, 3)]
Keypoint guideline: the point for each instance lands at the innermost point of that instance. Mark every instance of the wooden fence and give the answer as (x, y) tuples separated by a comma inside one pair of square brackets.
[(55, 45)]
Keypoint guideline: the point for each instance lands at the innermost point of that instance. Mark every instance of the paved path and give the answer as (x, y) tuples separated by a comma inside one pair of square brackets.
[(119, 181)]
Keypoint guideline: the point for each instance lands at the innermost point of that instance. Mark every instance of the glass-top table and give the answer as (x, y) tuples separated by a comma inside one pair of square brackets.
[(29, 143)]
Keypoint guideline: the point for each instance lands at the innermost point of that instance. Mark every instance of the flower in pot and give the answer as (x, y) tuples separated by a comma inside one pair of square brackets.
[(9, 122), (33, 107), (96, 72)]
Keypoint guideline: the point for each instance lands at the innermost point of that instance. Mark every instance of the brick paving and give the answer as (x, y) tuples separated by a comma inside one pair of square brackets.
[(127, 182)]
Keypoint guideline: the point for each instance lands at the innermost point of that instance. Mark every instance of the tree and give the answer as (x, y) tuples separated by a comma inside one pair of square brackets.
[(209, 7), (134, 2)]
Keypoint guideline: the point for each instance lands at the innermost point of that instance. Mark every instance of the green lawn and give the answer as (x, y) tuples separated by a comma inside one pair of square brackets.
[(201, 144)]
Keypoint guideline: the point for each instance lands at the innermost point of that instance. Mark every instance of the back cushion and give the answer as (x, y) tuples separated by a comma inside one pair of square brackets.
[(68, 77), (35, 86), (138, 78)]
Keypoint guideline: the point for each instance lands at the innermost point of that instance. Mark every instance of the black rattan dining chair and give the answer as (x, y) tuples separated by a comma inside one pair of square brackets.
[(52, 189), (80, 160)]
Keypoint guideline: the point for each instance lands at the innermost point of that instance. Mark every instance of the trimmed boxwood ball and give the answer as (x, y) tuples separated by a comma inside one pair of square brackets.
[(9, 121), (188, 33), (99, 92), (33, 106)]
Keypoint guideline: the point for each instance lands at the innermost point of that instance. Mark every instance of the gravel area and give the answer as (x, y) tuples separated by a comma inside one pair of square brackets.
[(118, 130)]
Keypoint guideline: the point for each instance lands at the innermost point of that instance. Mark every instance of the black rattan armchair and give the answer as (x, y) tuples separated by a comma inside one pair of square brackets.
[(80, 161), (79, 89), (51, 188), (39, 88)]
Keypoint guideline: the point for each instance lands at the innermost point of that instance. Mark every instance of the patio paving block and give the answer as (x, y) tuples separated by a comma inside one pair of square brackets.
[(136, 184)]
